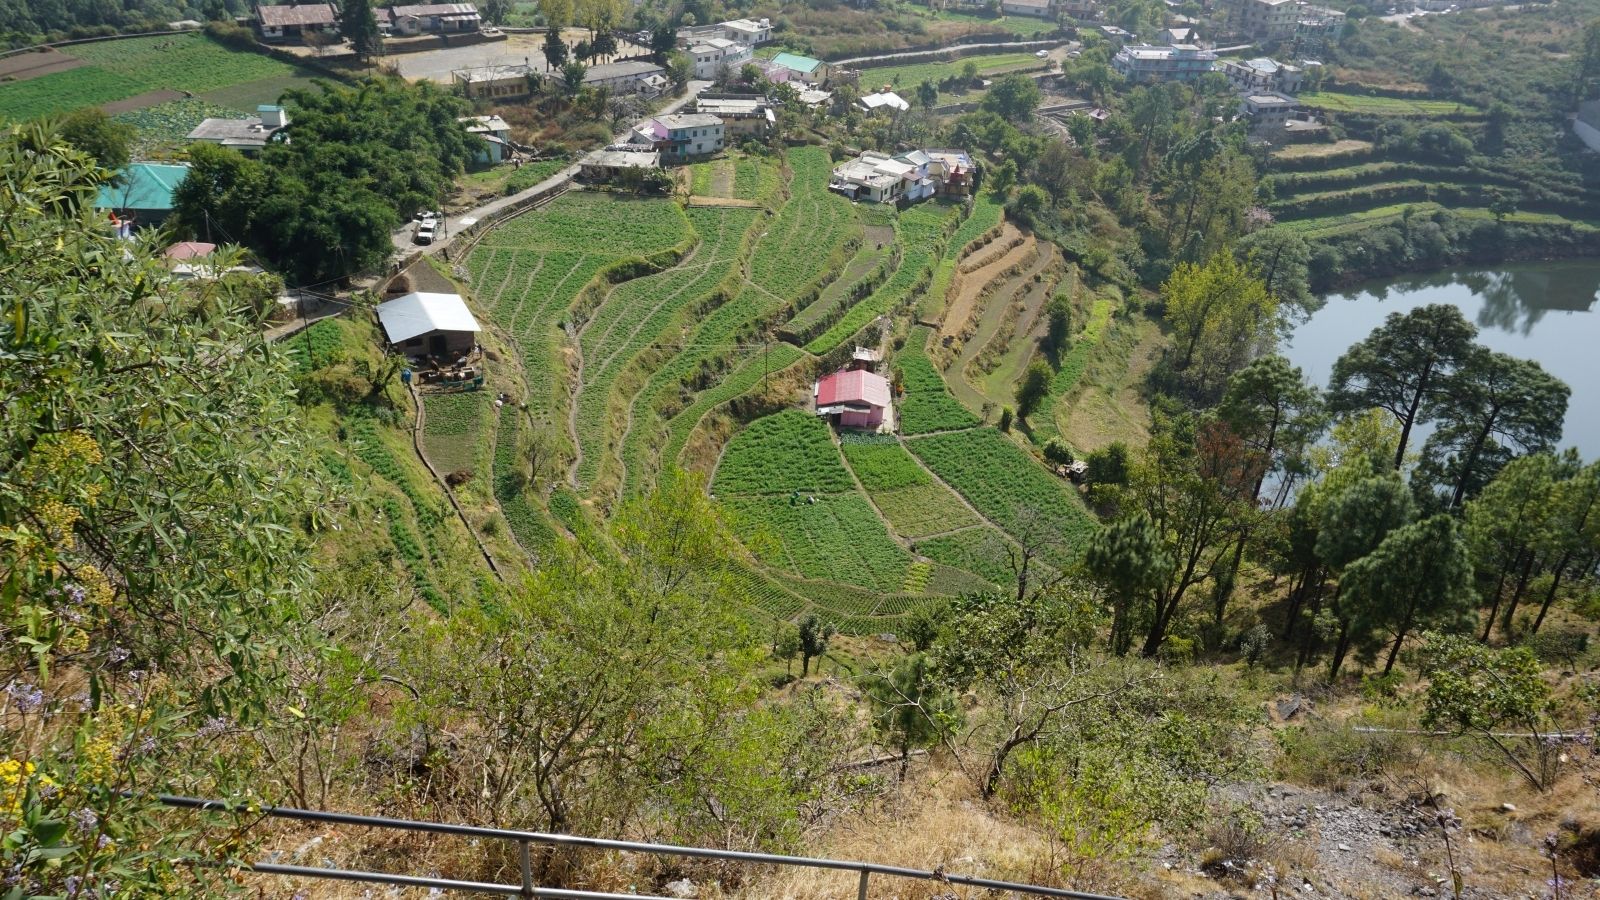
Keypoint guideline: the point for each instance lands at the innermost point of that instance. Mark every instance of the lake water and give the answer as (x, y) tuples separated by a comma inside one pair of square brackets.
[(1547, 311)]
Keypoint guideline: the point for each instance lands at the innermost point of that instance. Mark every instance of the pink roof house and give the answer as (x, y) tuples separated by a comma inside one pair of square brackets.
[(853, 399)]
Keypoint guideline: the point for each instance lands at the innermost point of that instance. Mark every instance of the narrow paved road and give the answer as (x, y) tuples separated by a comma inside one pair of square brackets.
[(911, 54), (403, 242)]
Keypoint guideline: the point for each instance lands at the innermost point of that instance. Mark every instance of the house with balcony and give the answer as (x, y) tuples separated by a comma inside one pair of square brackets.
[(742, 115), (910, 177), (1151, 63), (1268, 20), (1262, 74), (680, 137)]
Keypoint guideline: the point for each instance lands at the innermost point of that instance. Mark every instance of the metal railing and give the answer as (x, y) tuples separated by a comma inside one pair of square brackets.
[(524, 840)]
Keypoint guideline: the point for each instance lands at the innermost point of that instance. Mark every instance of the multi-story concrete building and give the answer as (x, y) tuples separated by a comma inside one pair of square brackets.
[(680, 137), (712, 54), (741, 114), (1146, 62), (1262, 74), (1269, 20), (1268, 111)]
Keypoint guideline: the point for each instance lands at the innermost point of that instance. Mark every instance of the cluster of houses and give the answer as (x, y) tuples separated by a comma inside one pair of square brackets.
[(1266, 87), (316, 22), (908, 177), (716, 120)]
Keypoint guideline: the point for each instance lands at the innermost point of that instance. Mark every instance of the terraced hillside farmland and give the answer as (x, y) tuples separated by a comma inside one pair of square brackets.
[(792, 260), (633, 318), (176, 64), (529, 272)]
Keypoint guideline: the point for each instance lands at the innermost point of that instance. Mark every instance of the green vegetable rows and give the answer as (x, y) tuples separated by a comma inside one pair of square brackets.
[(1010, 488), (780, 454), (927, 404)]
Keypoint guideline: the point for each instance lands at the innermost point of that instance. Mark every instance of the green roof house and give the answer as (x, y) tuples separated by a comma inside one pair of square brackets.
[(797, 68), (142, 191)]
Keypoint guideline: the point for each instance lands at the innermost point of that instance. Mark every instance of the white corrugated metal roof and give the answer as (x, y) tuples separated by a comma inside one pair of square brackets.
[(419, 313)]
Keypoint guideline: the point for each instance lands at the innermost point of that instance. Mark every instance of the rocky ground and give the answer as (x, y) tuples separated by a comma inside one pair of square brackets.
[(1363, 845)]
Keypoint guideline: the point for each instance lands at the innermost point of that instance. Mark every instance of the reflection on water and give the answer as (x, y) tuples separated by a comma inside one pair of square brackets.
[(1513, 299), (1549, 312)]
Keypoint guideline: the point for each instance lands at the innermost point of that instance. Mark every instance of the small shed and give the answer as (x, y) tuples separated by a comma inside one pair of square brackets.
[(425, 324), (142, 193), (854, 398)]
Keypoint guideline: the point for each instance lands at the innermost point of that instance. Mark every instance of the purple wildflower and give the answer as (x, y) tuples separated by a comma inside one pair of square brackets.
[(76, 593), (213, 727), (27, 697), (84, 819), (118, 655)]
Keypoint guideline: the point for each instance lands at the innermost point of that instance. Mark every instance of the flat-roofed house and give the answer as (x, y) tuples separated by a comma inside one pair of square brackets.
[(1262, 74), (1038, 9), (247, 136), (681, 136), (741, 114), (749, 32), (1268, 111), (713, 54), (428, 324), (297, 22), (853, 398), (609, 165), (1149, 63)]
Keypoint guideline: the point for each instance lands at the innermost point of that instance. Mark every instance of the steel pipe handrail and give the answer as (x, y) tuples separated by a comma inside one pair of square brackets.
[(525, 838)]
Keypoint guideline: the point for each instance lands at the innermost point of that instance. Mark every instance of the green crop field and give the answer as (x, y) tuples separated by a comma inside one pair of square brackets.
[(1010, 488), (529, 271), (125, 68), (920, 232), (804, 245), (453, 427), (904, 79), (1385, 106), (639, 313), (166, 126), (927, 404), (780, 454), (984, 551), (833, 537), (902, 490)]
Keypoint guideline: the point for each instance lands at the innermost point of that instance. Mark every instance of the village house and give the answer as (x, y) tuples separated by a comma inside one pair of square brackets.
[(613, 164), (141, 194), (792, 67), (1268, 111), (628, 77), (742, 115), (1038, 9), (496, 134), (421, 325), (1321, 22), (247, 136), (297, 22), (1082, 10), (432, 18), (1149, 63), (1262, 74), (883, 101), (497, 82), (712, 55), (953, 171), (1177, 34), (680, 137), (1268, 20), (852, 398), (749, 32)]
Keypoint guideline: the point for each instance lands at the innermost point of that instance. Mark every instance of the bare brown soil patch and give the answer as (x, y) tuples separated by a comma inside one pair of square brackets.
[(24, 66), (969, 287), (148, 98)]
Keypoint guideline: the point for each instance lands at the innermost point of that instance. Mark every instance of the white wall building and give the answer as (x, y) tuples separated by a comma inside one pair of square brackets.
[(712, 54)]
